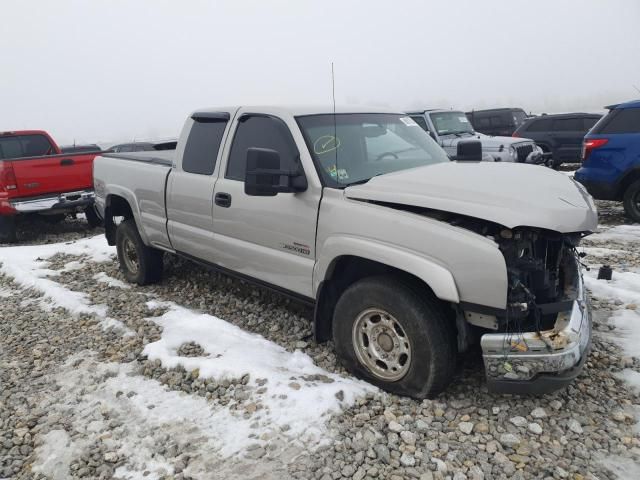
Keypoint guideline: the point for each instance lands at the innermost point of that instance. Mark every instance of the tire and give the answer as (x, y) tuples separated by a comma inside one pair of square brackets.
[(139, 264), (8, 229), (429, 339), (631, 201)]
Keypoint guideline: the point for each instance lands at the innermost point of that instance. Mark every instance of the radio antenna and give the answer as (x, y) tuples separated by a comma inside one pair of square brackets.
[(335, 128)]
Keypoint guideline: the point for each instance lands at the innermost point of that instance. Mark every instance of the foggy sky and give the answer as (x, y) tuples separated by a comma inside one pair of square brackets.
[(122, 69)]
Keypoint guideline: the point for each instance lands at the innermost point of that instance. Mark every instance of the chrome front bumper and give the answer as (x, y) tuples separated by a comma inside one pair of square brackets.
[(529, 362), (63, 201)]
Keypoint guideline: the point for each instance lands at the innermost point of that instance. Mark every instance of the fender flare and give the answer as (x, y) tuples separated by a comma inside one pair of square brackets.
[(436, 276), (129, 197)]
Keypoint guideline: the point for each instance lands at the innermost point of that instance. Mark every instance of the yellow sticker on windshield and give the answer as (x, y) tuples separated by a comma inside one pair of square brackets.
[(326, 144)]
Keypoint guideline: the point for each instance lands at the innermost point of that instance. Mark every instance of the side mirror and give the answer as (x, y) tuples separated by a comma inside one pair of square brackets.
[(265, 177), (468, 151)]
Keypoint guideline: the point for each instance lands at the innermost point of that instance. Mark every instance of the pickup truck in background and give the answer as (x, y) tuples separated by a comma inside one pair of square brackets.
[(37, 178), (450, 127), (408, 257)]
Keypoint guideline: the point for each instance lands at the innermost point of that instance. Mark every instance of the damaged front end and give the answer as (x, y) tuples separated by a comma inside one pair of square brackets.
[(542, 337)]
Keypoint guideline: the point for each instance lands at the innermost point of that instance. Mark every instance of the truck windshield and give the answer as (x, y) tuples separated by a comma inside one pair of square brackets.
[(353, 148), (451, 123)]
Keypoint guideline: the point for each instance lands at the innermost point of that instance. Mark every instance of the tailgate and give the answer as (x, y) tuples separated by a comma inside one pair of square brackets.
[(37, 176)]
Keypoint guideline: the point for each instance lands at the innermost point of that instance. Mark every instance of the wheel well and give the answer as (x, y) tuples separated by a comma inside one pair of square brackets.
[(626, 181), (116, 206), (343, 272)]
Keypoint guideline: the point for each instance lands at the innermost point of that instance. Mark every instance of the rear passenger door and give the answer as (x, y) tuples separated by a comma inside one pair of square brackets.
[(191, 185), (267, 238), (567, 135)]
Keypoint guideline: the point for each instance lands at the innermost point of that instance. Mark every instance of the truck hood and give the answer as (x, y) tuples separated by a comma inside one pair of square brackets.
[(509, 194), (488, 143)]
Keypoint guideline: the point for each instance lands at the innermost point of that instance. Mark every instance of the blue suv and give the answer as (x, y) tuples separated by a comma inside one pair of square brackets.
[(611, 158)]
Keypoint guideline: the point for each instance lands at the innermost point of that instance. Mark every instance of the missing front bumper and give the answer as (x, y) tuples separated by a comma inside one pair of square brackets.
[(537, 363)]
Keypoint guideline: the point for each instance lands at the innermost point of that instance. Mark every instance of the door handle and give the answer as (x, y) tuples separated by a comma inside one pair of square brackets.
[(66, 162), (223, 199)]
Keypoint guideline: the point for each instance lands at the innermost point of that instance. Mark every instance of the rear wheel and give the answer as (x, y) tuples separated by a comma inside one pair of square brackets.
[(399, 339), (139, 264), (8, 229), (631, 201)]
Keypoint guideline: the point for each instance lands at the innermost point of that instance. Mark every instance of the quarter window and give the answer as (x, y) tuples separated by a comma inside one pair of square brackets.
[(625, 120), (542, 125), (260, 132), (202, 147)]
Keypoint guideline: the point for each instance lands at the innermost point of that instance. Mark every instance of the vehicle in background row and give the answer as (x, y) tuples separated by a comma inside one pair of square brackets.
[(560, 135), (143, 146), (407, 256), (497, 121), (611, 158), (79, 148), (449, 127), (37, 178)]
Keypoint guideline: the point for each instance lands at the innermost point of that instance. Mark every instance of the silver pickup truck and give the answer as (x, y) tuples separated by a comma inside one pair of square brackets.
[(408, 257)]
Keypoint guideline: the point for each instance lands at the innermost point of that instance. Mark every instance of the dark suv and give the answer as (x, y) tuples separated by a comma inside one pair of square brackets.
[(560, 135), (497, 121)]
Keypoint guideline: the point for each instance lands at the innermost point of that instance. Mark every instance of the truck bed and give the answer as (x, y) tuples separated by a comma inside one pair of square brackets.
[(141, 178)]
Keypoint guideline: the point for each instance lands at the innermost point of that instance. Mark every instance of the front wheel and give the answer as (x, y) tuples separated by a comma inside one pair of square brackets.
[(395, 337), (631, 201), (139, 264)]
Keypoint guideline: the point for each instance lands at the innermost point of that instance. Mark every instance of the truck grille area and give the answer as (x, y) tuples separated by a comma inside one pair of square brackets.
[(523, 152), (543, 272)]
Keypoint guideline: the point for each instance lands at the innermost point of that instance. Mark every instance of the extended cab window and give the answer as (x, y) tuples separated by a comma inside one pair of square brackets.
[(419, 119), (624, 120), (261, 132), (18, 146), (202, 147)]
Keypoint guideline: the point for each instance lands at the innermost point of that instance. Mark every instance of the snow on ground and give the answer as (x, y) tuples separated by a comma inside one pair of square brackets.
[(27, 266), (110, 281), (294, 381), (620, 233), (288, 404)]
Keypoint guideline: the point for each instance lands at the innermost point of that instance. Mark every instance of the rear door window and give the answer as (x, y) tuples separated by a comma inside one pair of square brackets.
[(624, 120), (203, 144), (542, 125), (567, 124)]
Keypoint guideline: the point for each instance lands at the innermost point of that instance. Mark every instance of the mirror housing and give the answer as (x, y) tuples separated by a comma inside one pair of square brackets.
[(468, 151), (265, 177)]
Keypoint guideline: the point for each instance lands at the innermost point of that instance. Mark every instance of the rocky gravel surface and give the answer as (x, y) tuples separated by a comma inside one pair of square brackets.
[(67, 379)]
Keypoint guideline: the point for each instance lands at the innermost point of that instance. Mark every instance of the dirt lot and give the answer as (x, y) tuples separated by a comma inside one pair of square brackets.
[(100, 379)]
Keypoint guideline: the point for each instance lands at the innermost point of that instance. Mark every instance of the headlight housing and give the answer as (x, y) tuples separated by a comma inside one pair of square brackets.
[(513, 153)]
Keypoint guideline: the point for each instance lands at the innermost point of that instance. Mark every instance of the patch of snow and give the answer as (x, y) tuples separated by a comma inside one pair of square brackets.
[(110, 281), (231, 352), (152, 418), (602, 252), (6, 292), (623, 286), (624, 468), (54, 455), (73, 265), (631, 377), (27, 266), (620, 233)]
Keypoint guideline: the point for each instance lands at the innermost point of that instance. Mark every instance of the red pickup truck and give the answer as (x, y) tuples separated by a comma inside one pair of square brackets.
[(36, 178)]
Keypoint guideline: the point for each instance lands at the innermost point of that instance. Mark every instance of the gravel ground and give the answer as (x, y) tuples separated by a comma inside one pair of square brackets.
[(57, 373)]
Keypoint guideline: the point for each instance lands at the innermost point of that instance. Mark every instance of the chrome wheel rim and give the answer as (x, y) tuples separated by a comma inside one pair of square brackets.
[(381, 344), (130, 255)]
